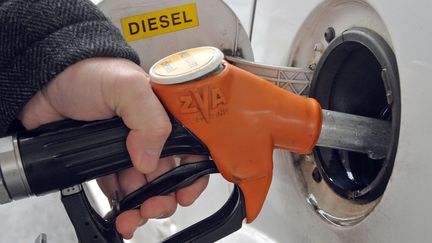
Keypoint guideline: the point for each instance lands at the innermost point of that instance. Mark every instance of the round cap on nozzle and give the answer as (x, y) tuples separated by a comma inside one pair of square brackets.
[(186, 65)]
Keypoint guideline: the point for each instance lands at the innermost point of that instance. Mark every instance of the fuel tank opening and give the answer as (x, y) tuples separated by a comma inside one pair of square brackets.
[(357, 74)]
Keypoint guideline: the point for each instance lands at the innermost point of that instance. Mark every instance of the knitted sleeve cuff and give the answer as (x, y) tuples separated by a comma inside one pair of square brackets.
[(39, 39)]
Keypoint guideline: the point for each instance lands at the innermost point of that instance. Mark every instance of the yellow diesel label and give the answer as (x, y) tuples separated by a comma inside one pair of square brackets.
[(160, 22)]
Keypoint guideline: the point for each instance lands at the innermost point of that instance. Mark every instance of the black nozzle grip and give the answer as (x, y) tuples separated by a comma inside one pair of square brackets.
[(66, 153)]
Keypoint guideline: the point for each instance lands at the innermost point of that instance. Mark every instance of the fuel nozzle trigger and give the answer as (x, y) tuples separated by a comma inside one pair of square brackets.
[(90, 227)]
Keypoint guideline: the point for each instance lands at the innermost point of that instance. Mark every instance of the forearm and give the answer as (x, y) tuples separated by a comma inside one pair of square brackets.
[(40, 39)]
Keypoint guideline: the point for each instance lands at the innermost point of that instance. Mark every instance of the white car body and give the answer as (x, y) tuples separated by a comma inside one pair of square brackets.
[(402, 214)]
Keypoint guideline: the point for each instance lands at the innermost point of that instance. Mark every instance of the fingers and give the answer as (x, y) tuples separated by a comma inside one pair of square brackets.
[(186, 196), (164, 165), (155, 207), (160, 206), (127, 222), (110, 186), (130, 180)]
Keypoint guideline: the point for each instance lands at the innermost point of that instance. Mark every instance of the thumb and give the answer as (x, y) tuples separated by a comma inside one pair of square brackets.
[(132, 98)]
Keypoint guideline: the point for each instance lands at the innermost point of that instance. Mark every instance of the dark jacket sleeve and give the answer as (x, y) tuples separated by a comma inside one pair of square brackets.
[(41, 38)]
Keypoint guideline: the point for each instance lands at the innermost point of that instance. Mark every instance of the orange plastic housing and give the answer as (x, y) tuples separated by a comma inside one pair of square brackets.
[(242, 118)]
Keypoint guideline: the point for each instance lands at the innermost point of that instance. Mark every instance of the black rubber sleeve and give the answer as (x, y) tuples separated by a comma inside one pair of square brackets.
[(66, 153)]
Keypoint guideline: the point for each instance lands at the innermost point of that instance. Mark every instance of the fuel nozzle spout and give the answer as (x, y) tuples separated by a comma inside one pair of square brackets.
[(355, 133)]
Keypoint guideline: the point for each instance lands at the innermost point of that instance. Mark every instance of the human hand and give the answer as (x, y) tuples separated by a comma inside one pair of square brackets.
[(100, 88)]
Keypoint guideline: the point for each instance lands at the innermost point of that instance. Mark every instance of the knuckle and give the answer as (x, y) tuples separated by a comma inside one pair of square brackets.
[(136, 87), (163, 129), (129, 86)]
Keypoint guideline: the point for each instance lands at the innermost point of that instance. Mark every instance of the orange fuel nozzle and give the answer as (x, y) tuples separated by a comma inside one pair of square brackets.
[(239, 116)]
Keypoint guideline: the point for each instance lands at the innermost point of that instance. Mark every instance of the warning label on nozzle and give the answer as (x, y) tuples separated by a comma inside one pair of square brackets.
[(160, 22)]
